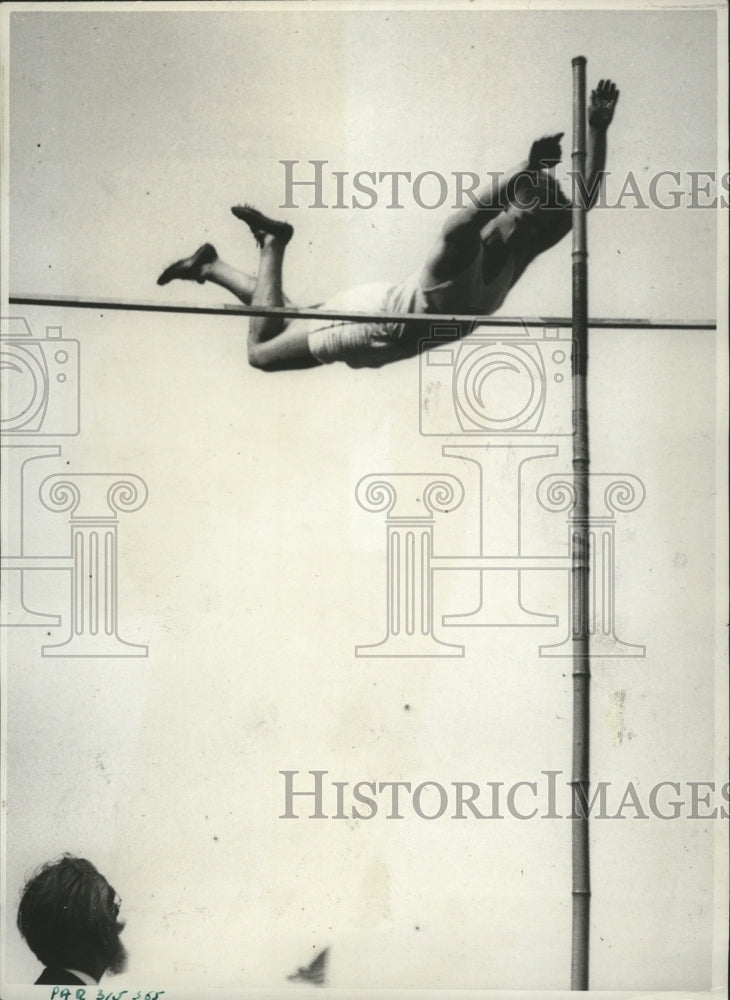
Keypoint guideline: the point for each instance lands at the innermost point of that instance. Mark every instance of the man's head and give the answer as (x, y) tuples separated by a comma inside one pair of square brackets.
[(68, 915), (534, 195)]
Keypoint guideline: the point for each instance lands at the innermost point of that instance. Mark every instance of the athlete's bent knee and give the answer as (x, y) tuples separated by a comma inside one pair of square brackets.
[(260, 359)]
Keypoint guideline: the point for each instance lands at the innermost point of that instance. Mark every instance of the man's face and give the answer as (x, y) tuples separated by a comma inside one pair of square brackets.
[(535, 198), (117, 957), (115, 953)]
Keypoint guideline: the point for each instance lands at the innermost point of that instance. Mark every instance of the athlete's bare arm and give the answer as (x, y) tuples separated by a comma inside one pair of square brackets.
[(600, 116)]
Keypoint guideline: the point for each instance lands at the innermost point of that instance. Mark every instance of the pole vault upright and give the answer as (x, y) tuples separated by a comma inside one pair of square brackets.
[(580, 546)]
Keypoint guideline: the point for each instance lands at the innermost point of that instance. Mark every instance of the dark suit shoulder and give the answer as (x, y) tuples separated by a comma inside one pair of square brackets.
[(58, 977)]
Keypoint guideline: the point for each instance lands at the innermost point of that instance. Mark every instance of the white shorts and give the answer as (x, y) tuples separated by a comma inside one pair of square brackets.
[(369, 344)]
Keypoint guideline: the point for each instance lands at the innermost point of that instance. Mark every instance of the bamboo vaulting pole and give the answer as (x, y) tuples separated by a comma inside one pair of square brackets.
[(580, 551)]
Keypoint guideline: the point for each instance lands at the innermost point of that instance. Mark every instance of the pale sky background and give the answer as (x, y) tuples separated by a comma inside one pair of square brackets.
[(252, 573)]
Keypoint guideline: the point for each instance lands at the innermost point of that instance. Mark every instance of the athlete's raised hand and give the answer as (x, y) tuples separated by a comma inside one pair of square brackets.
[(603, 104)]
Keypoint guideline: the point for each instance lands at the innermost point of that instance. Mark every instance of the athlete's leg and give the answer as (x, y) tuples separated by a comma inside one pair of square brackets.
[(205, 265), (242, 285), (274, 342)]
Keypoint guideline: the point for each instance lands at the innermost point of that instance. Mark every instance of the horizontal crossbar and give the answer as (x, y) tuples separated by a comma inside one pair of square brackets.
[(501, 562), (74, 302)]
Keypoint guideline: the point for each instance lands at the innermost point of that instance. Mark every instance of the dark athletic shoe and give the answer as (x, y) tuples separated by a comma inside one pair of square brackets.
[(189, 267), (260, 225)]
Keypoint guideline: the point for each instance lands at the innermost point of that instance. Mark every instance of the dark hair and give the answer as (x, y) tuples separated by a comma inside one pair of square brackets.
[(68, 913), (537, 190)]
